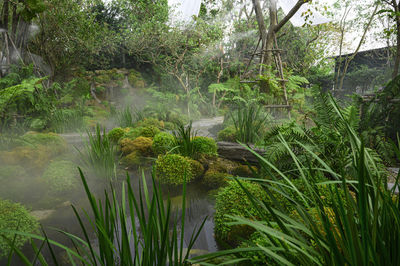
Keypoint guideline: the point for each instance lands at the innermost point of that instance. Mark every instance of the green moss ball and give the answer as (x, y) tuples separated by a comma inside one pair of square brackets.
[(163, 142), (172, 168), (14, 216)]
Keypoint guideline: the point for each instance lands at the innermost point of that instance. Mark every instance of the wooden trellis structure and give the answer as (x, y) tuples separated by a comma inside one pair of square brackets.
[(278, 63)]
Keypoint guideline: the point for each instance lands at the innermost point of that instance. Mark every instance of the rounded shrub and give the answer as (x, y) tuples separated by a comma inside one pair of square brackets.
[(151, 122), (126, 145), (61, 176), (132, 159), (232, 200), (14, 216), (215, 179), (173, 168), (244, 171), (116, 134), (205, 145), (227, 134), (197, 168), (149, 131), (143, 145), (163, 142)]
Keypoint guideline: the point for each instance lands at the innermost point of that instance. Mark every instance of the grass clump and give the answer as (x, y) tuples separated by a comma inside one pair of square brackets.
[(14, 216), (249, 121), (173, 169), (99, 154)]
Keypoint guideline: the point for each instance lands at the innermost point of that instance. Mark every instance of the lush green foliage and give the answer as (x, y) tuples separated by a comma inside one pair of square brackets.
[(249, 121), (173, 169), (360, 227), (14, 216)]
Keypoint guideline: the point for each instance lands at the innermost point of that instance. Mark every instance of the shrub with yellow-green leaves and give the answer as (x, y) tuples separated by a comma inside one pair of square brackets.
[(163, 142), (133, 133), (227, 134), (146, 122), (116, 134), (143, 145), (172, 169), (14, 216), (205, 145), (197, 169), (214, 179), (232, 200)]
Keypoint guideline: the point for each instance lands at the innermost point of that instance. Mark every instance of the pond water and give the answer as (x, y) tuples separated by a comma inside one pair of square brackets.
[(53, 209)]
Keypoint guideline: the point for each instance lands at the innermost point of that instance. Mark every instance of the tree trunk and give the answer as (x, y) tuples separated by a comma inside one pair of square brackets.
[(397, 60)]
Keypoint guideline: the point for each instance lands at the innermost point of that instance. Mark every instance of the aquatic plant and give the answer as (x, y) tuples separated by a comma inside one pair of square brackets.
[(14, 216), (173, 169), (163, 142), (99, 154), (249, 121), (183, 140), (128, 117), (156, 239)]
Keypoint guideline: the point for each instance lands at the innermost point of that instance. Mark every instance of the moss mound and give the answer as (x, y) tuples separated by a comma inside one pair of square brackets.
[(197, 168), (205, 145), (143, 145), (133, 133), (50, 140), (14, 216), (61, 176), (116, 134), (163, 142), (132, 159), (214, 179), (227, 134), (232, 200), (244, 171), (147, 122), (172, 168), (11, 172)]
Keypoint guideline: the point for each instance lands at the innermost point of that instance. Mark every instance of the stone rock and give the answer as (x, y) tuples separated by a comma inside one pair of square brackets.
[(236, 152), (42, 214)]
